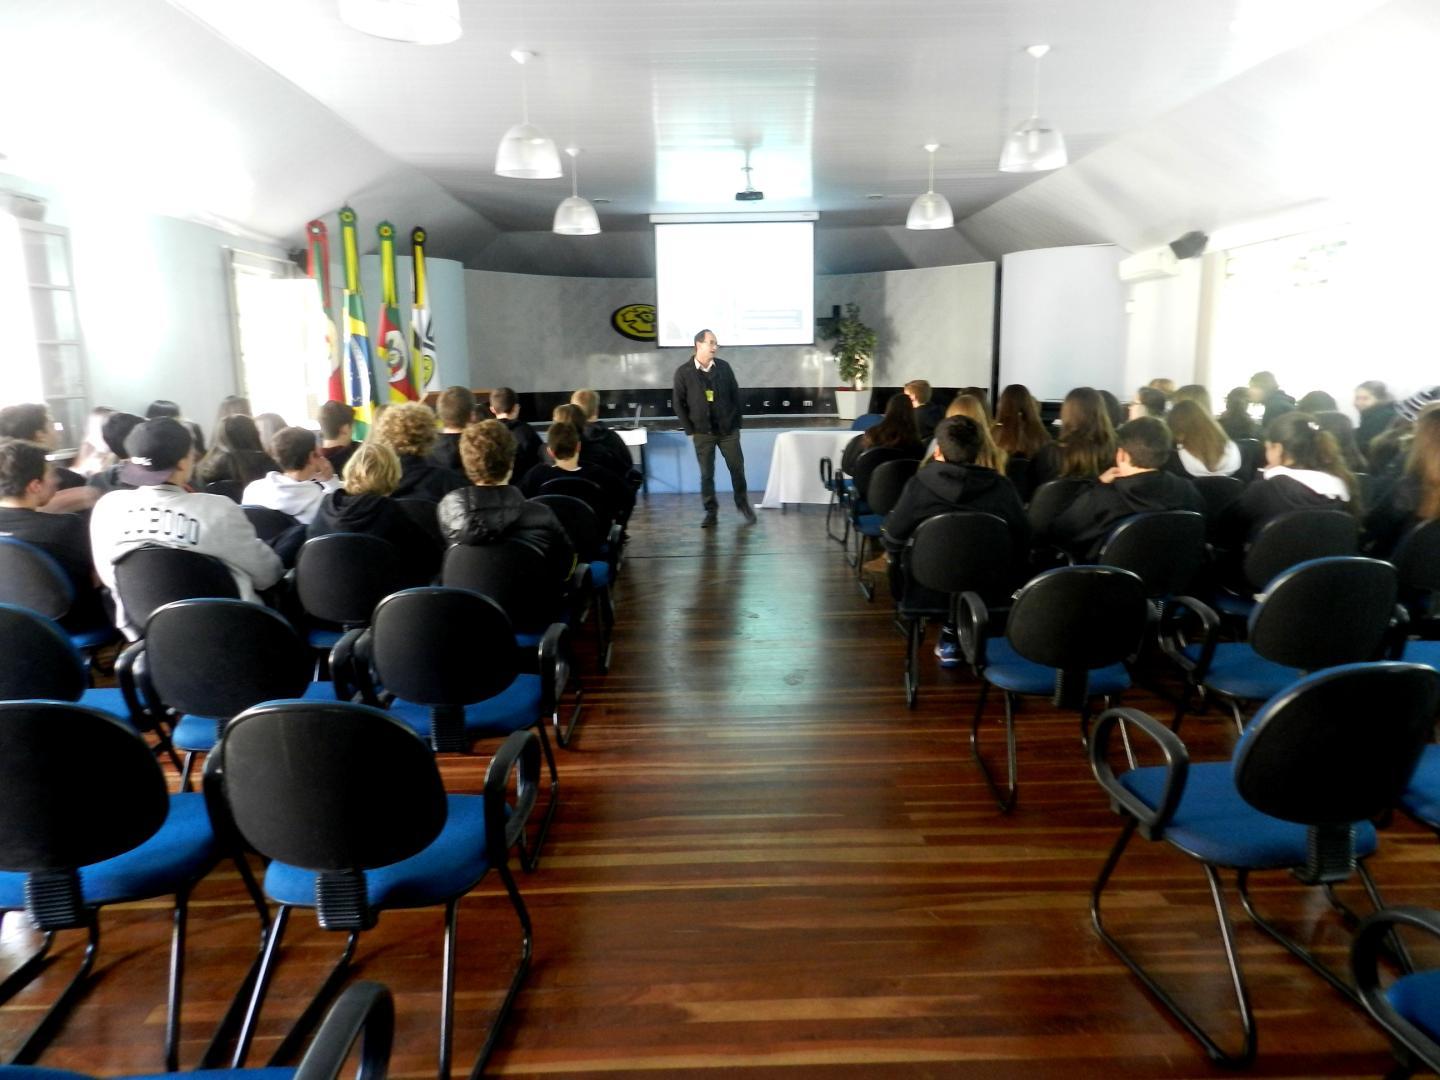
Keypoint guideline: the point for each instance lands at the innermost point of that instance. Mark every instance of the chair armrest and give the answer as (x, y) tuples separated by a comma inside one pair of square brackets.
[(135, 685), (553, 648), (505, 828), (1177, 766), (1396, 634), (827, 473), (973, 629), (365, 1011), (1365, 951), (580, 577), (1170, 640)]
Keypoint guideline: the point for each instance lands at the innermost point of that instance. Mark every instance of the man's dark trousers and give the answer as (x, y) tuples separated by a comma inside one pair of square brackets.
[(705, 454)]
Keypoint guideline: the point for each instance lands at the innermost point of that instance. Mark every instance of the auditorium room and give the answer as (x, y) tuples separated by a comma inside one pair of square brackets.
[(660, 538)]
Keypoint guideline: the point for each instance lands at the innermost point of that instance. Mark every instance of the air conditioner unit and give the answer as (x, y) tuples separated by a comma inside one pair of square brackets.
[(1149, 266)]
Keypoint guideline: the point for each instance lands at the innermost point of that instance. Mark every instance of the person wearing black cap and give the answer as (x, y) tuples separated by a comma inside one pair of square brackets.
[(707, 401), (160, 511), (115, 430)]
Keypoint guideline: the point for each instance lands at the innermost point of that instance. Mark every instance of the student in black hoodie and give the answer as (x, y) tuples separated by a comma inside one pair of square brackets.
[(1134, 484), (115, 430), (492, 511), (364, 505), (456, 408), (1265, 390), (409, 429), (952, 481), (505, 404)]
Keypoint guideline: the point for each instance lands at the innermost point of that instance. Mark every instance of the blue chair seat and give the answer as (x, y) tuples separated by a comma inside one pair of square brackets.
[(450, 866), (1238, 606), (108, 699), (1214, 824), (1423, 652), (515, 708), (1009, 670), (528, 641), (324, 639), (869, 524), (1417, 998), (93, 638), (1422, 797), (182, 849), (600, 574), (199, 733), (1241, 672)]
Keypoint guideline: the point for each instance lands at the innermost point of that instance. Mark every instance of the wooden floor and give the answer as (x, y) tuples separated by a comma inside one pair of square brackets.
[(765, 865)]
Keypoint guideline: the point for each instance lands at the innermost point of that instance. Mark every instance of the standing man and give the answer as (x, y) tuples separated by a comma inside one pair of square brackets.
[(707, 401)]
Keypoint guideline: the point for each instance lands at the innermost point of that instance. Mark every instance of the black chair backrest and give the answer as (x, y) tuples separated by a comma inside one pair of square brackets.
[(30, 577), (231, 489), (268, 523), (76, 787), (1417, 558), (1051, 499), (1166, 548), (327, 786), (1020, 470), (513, 574), (1078, 617), (340, 577), (580, 522), (148, 578), (37, 660), (1296, 537), (1338, 746), (438, 646), (587, 491), (872, 459), (217, 658), (887, 482), (1326, 612), (1252, 459), (962, 551), (424, 513), (1218, 492)]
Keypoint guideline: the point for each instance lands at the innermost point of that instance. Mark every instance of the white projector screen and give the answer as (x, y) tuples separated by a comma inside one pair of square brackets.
[(753, 283)]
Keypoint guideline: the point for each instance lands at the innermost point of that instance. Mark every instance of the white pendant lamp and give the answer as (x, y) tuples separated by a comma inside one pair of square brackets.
[(525, 153), (420, 22), (575, 216), (1034, 146), (931, 210)]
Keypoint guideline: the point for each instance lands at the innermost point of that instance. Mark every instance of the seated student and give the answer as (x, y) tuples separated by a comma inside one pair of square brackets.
[(1201, 446), (164, 407), (927, 413), (115, 430), (268, 423), (302, 481), (27, 484), (1411, 497), (1316, 401), (562, 442), (611, 449), (492, 511), (93, 455), (1019, 432), (160, 511), (1265, 391), (1304, 471), (991, 456), (505, 405), (1086, 444), (409, 430), (1377, 411), (337, 433), (895, 430), (363, 505), (236, 454), (456, 408), (1235, 420), (600, 457), (1135, 483), (953, 481), (33, 424), (1148, 401)]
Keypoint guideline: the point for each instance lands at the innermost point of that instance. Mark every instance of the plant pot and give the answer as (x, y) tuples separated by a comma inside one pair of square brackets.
[(848, 403)]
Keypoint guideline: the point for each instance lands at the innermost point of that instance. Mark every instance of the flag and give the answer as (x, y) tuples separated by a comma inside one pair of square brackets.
[(359, 359), (422, 340), (390, 337), (317, 267)]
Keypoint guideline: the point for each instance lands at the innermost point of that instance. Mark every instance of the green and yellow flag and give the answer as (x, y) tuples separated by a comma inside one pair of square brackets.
[(359, 358)]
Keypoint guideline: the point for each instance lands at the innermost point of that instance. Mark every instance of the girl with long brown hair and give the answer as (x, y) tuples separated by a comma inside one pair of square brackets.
[(1201, 447), (1086, 446), (1017, 428), (1414, 495), (990, 456)]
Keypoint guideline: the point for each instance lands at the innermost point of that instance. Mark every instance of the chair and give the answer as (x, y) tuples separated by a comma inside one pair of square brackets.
[(206, 661), (949, 554), (838, 485), (148, 578), (1252, 459), (1218, 492), (882, 492), (269, 524), (585, 530), (1285, 541), (340, 577), (1314, 766), (1318, 614), (1406, 1009), (1164, 548), (865, 421), (1417, 561), (31, 578), (349, 806), (86, 821), (1069, 631), (515, 576), (443, 662), (1051, 499)]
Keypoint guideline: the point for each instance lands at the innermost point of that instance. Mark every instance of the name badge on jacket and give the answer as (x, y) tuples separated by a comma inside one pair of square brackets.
[(709, 395)]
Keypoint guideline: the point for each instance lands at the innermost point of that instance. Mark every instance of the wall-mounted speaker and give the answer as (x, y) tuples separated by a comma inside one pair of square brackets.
[(1190, 245)]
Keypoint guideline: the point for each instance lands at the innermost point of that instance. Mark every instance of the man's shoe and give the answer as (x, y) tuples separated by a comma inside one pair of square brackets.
[(948, 652), (748, 512), (710, 519)]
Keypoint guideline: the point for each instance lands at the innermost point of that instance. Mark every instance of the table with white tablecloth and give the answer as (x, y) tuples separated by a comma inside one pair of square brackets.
[(795, 466)]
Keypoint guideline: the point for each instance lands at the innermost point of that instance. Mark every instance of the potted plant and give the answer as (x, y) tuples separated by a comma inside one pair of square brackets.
[(853, 350)]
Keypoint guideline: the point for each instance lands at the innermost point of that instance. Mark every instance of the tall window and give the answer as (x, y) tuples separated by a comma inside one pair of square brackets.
[(281, 335)]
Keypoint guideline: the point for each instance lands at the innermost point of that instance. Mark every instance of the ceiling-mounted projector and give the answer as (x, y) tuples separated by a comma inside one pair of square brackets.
[(749, 194)]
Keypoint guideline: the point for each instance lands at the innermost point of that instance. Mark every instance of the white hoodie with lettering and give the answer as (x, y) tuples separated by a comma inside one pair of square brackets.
[(166, 515)]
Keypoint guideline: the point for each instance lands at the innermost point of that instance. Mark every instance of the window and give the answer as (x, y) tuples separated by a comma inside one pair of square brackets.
[(280, 332)]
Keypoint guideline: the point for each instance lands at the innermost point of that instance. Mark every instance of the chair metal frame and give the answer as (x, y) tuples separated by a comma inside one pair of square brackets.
[(1414, 1048)]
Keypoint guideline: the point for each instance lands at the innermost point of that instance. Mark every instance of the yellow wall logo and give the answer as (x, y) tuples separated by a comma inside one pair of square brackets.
[(635, 321)]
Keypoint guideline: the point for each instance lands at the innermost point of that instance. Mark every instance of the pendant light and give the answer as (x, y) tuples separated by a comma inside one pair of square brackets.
[(420, 22), (931, 210), (525, 153), (1035, 146), (575, 216)]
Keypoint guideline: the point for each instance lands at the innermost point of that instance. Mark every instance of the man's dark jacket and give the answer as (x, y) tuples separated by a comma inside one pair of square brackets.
[(722, 417)]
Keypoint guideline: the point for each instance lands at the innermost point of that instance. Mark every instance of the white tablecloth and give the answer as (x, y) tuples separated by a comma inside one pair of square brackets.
[(795, 466)]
